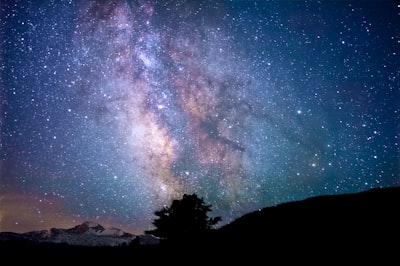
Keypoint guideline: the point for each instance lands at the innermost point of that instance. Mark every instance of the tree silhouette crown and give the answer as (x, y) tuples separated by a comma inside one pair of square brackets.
[(185, 217)]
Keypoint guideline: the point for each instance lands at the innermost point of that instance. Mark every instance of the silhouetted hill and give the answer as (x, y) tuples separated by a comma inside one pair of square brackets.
[(344, 228), (338, 210), (365, 223)]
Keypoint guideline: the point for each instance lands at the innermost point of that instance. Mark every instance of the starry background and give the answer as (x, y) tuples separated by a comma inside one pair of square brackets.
[(111, 109)]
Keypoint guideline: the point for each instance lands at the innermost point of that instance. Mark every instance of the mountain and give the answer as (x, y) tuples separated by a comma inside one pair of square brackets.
[(379, 206), (89, 234), (364, 223)]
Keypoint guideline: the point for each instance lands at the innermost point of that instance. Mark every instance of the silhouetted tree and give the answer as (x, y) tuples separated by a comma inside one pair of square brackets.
[(186, 217)]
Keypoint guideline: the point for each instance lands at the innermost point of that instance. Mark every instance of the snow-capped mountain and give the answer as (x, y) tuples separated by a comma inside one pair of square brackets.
[(85, 234)]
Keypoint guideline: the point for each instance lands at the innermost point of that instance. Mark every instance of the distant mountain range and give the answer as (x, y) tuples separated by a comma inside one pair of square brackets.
[(89, 234)]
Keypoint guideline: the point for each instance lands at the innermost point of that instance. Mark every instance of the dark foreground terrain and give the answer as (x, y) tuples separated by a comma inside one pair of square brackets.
[(360, 227)]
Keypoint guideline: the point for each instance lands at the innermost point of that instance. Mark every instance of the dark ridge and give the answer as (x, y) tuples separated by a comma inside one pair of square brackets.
[(364, 223), (329, 209)]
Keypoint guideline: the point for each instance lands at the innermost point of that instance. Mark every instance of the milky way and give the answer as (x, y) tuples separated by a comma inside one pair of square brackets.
[(109, 110)]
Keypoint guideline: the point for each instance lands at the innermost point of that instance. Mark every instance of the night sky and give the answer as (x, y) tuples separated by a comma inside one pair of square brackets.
[(111, 109)]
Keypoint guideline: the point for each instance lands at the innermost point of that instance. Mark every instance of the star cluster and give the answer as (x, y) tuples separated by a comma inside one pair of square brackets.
[(111, 109)]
